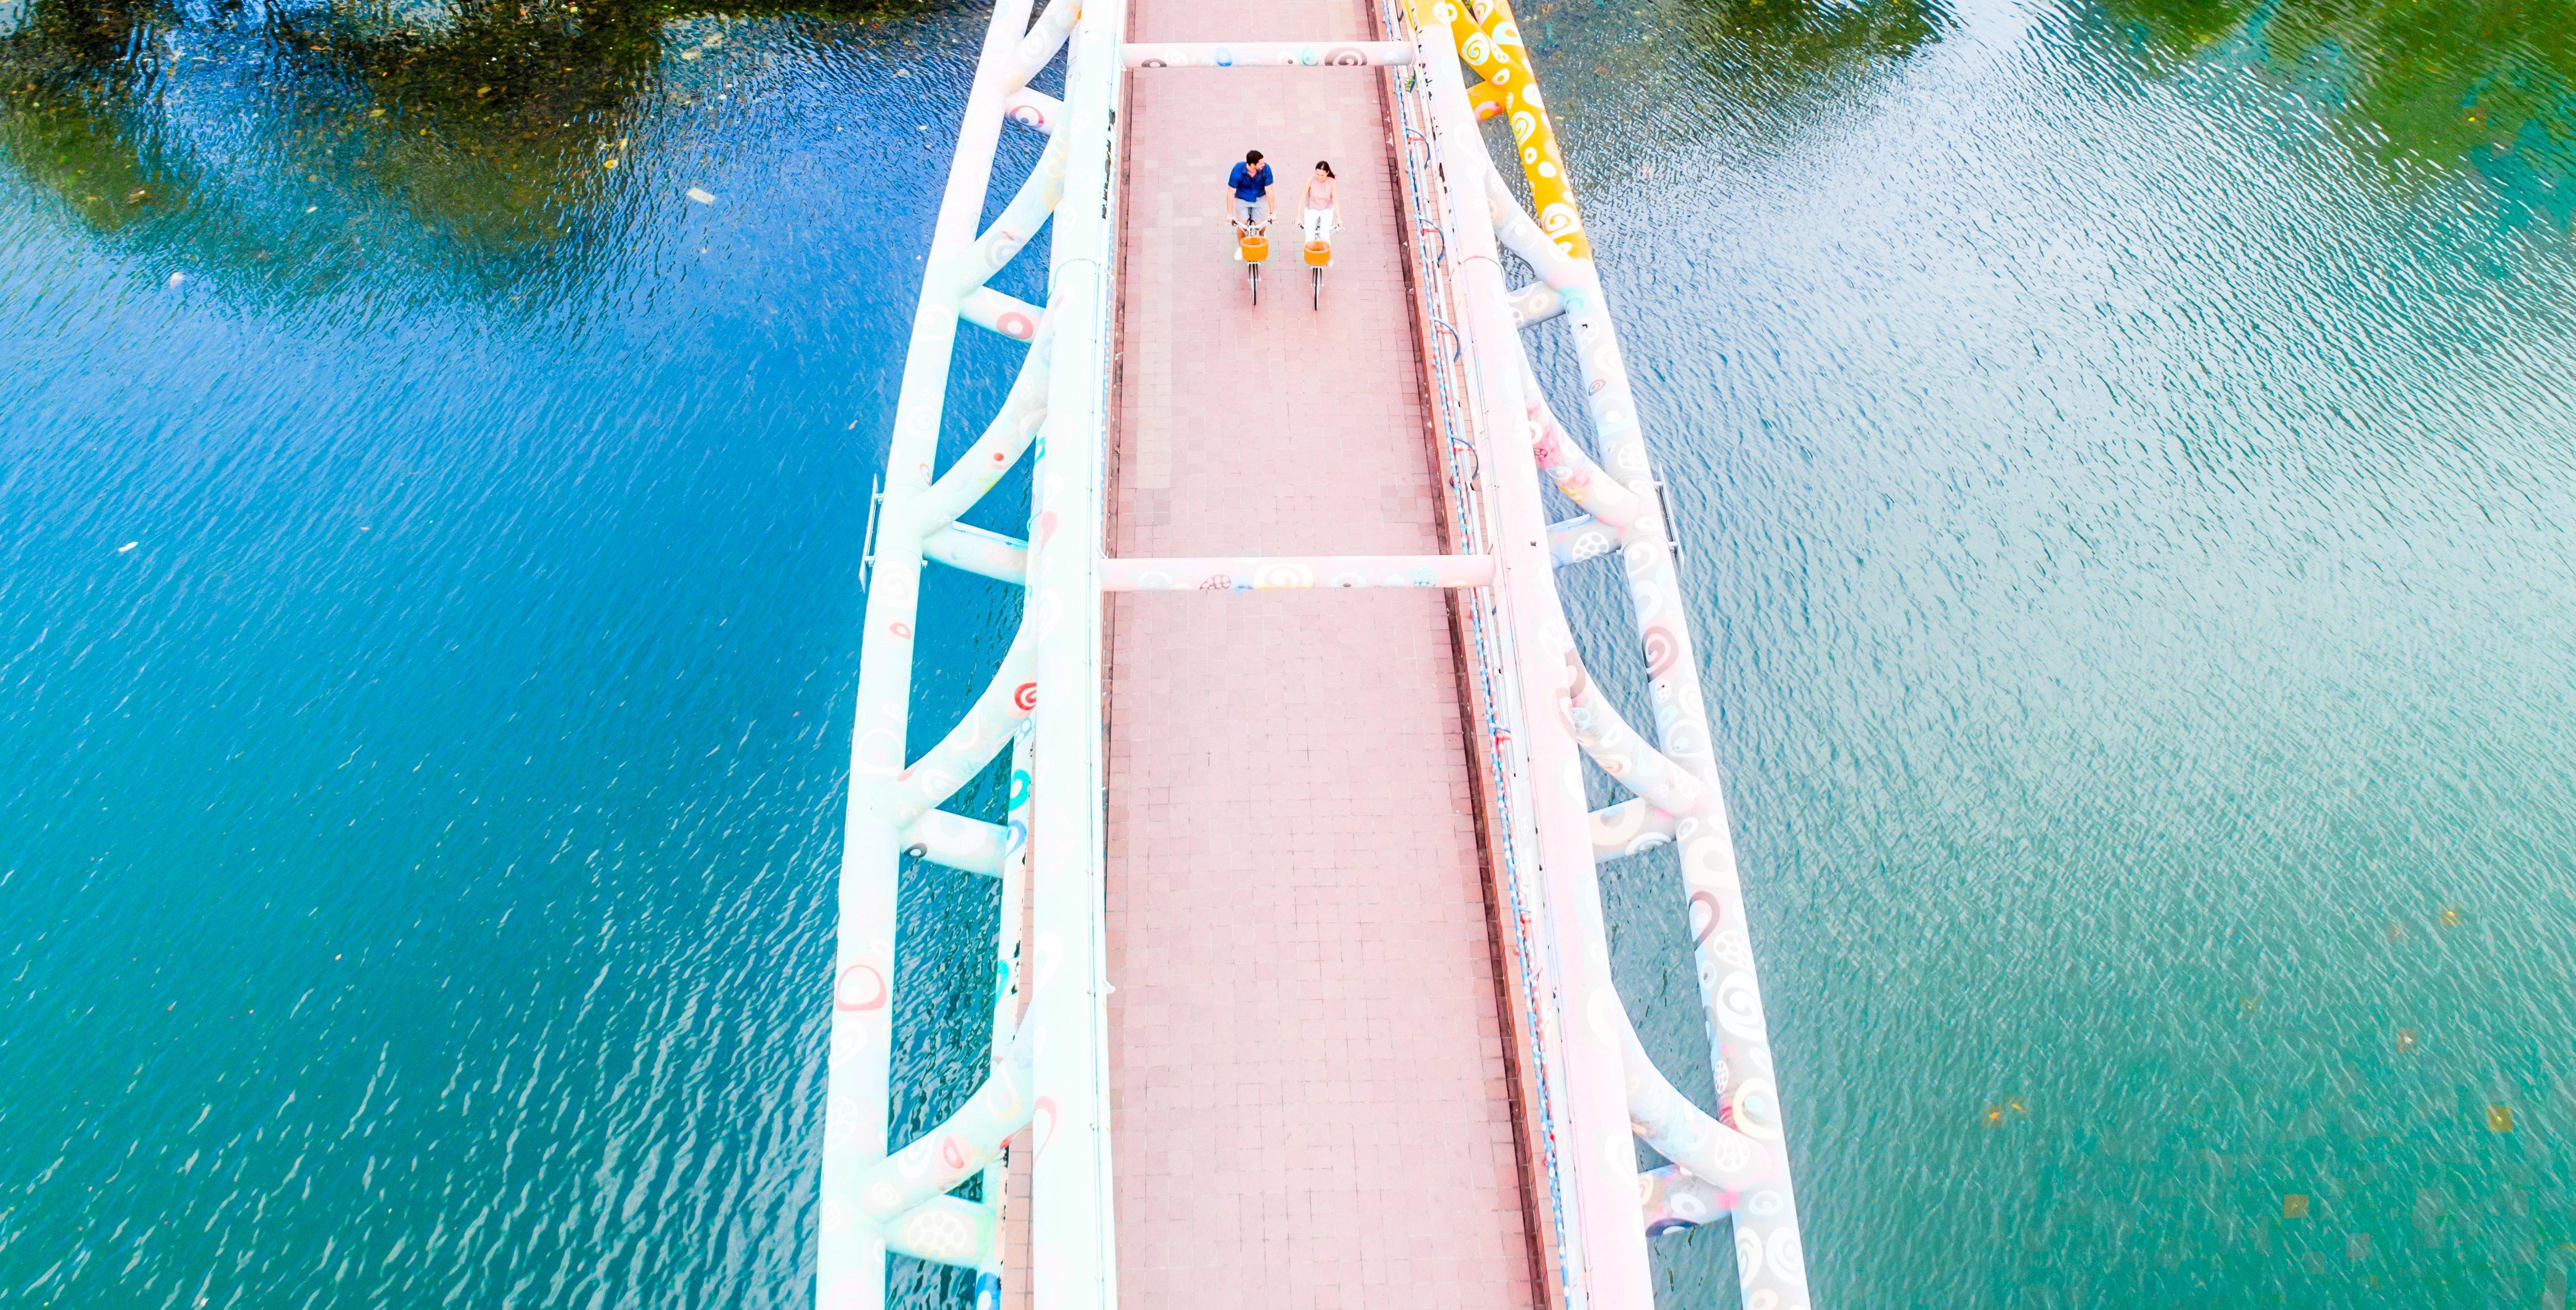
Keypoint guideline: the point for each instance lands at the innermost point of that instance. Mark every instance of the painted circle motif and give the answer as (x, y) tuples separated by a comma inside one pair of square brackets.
[(1788, 1258), (1346, 56), (1661, 650), (1704, 915), (1754, 1111), (859, 988), (1748, 1255), (1024, 698), (1016, 325), (940, 1233), (1739, 1007)]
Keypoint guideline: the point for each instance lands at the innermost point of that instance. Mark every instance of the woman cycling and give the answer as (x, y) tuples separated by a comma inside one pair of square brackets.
[(1323, 193)]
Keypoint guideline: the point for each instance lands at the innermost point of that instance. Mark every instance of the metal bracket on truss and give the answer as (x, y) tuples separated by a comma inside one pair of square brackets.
[(868, 541)]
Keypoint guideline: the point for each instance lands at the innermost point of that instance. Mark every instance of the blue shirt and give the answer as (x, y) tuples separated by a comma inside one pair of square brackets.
[(1247, 184)]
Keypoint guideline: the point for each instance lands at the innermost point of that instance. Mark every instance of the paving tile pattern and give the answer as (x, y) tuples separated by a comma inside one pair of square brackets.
[(1309, 1104)]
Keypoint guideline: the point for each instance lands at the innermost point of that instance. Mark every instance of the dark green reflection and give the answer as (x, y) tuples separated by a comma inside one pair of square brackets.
[(2486, 84), (1813, 35), (484, 126)]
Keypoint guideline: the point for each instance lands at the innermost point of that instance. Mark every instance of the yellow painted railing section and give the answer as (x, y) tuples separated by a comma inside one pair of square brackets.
[(1489, 41)]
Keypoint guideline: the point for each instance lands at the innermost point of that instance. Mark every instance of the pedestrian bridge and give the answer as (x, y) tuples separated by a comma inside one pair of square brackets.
[(1303, 991)]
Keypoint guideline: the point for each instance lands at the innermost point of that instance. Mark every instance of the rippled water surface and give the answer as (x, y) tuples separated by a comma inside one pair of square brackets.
[(2124, 451), (2128, 452)]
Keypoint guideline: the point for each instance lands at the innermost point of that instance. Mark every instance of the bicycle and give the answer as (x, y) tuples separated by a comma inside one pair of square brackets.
[(1319, 256), (1251, 247)]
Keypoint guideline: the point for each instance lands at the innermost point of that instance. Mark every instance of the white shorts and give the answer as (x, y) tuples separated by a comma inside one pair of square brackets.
[(1317, 224)]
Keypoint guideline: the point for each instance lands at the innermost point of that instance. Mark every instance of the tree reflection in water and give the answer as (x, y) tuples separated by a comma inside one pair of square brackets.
[(298, 143), (2489, 85), (1808, 37)]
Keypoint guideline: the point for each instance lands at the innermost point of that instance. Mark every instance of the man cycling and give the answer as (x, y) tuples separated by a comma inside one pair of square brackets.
[(1247, 202)]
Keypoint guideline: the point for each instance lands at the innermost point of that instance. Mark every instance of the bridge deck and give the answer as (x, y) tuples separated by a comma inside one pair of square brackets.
[(1308, 1093)]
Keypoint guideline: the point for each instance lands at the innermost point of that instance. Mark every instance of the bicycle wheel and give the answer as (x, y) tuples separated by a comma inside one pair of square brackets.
[(1252, 274), (1319, 286)]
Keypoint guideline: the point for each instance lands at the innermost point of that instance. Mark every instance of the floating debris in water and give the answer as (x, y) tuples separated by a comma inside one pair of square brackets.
[(2405, 1039), (127, 546), (2397, 932), (2499, 1118), (177, 279), (2248, 1004), (2294, 1206), (2450, 916), (701, 195)]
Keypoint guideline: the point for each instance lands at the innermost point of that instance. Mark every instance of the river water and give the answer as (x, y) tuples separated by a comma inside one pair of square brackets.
[(2123, 451)]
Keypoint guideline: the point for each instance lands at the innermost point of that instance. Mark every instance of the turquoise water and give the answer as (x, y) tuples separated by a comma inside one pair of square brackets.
[(2127, 451), (2123, 452)]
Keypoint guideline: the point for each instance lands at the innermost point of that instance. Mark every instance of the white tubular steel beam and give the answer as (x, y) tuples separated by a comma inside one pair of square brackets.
[(1771, 1259), (1684, 1133), (1033, 109), (1073, 1235), (1046, 37), (1296, 573), (1009, 315), (972, 549), (1626, 755), (1676, 1199), (1536, 303), (1000, 445), (987, 727), (1606, 1223), (1581, 538), (964, 844), (1630, 827), (850, 1250), (1268, 54)]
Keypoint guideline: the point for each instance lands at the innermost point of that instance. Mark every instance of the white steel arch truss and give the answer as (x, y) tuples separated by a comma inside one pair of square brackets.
[(1733, 1164), (1047, 1060)]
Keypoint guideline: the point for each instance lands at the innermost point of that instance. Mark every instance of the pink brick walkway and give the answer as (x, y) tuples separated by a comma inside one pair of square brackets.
[(1307, 1074)]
